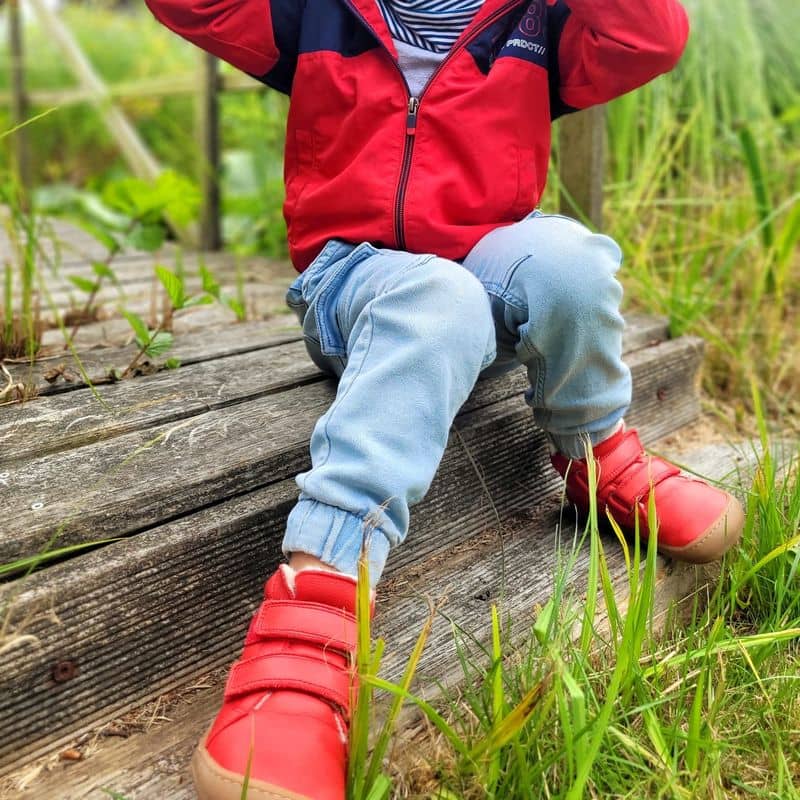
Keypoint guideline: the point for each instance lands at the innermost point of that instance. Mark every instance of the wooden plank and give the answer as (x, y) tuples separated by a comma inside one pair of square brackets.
[(132, 267), (581, 164), (116, 332), (261, 301), (139, 479), (161, 86), (150, 764), (112, 640), (194, 347), (196, 344), (78, 418), (59, 243), (136, 274), (514, 566), (74, 419)]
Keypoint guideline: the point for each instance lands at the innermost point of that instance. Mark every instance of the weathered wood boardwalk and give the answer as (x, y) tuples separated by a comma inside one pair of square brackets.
[(189, 475)]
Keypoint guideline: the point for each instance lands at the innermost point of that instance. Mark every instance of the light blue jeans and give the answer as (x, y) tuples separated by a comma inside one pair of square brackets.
[(409, 335)]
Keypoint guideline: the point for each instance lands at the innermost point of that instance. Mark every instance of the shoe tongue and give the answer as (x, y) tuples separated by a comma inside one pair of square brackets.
[(331, 588), (313, 586)]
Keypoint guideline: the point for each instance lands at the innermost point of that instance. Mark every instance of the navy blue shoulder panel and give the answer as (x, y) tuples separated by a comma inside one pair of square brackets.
[(485, 48), (287, 21), (331, 25), (557, 16), (311, 26), (530, 33)]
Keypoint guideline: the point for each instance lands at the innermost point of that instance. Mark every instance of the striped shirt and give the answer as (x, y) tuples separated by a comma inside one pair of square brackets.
[(424, 31), (428, 24)]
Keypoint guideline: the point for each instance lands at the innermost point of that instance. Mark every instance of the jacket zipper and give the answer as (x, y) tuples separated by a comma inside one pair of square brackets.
[(402, 185), (413, 111)]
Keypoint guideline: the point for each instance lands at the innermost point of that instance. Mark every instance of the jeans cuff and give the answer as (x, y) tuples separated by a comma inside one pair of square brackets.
[(335, 536)]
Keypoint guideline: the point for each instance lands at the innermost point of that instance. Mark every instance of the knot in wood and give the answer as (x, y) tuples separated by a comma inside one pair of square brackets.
[(63, 671)]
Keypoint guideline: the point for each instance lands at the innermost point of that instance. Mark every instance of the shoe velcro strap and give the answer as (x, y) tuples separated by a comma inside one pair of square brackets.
[(651, 472), (314, 623), (291, 671), (625, 454)]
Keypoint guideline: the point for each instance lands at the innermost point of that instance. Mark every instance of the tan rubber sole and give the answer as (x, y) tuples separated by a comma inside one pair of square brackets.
[(724, 534), (213, 782)]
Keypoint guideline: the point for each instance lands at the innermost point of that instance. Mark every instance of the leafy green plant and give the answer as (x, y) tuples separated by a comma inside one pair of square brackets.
[(154, 343), (131, 214)]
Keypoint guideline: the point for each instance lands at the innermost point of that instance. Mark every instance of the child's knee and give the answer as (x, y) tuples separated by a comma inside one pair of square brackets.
[(573, 272), (445, 294), (461, 307)]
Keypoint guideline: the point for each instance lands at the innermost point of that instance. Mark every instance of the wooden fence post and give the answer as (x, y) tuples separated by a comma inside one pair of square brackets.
[(582, 138), (209, 153), (19, 101)]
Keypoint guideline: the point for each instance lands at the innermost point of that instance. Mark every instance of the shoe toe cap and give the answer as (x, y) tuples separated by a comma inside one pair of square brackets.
[(715, 540), (214, 782)]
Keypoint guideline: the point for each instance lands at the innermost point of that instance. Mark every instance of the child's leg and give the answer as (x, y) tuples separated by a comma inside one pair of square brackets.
[(555, 300), (408, 336)]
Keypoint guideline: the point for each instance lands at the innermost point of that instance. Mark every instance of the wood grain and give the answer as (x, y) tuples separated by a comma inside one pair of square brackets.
[(189, 348)]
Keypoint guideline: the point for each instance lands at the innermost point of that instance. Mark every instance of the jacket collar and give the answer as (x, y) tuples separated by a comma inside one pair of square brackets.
[(368, 10)]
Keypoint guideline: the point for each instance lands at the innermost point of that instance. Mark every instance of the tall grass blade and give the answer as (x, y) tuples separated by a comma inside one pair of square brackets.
[(362, 701), (590, 608), (380, 788), (516, 719), (382, 743), (30, 563), (695, 723), (430, 712), (755, 170), (248, 769)]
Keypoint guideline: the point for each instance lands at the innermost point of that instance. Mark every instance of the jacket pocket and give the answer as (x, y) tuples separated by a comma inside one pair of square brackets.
[(525, 200), (300, 163)]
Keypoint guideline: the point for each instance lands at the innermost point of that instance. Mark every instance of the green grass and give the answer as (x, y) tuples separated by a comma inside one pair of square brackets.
[(595, 703), (704, 197)]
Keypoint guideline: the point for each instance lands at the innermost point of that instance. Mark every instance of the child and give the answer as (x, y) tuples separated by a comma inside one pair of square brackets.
[(417, 146)]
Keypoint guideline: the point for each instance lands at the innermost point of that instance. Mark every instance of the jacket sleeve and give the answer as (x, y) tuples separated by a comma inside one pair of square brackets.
[(609, 47), (237, 31)]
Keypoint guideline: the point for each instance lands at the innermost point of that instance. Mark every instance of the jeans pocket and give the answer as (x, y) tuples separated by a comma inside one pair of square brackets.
[(323, 295), (294, 298)]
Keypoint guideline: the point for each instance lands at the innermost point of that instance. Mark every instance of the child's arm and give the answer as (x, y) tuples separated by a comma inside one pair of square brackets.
[(609, 47), (238, 31)]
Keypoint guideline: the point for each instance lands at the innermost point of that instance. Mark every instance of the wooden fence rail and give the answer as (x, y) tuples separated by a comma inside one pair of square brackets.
[(581, 136)]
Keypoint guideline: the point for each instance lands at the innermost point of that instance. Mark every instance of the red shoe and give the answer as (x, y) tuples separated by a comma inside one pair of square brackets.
[(696, 522), (287, 700)]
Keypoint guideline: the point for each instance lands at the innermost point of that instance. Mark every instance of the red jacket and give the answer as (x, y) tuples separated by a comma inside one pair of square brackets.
[(367, 162)]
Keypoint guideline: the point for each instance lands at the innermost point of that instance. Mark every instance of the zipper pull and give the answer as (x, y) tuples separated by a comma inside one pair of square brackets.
[(411, 119)]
